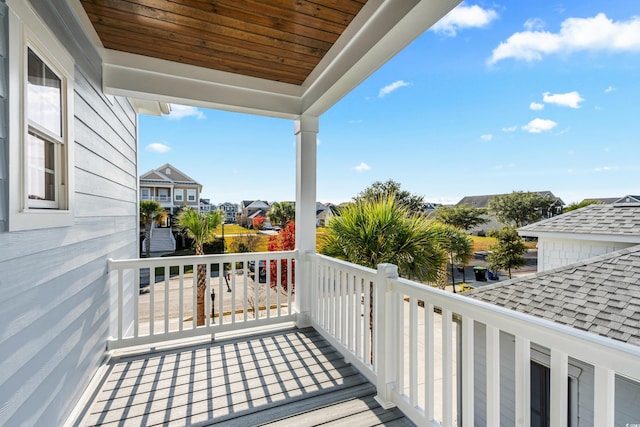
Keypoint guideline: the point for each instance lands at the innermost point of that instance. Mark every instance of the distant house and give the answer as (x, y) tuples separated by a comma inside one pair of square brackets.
[(555, 208), (586, 232), (171, 187), (599, 296), (229, 211), (251, 209), (205, 205), (324, 212)]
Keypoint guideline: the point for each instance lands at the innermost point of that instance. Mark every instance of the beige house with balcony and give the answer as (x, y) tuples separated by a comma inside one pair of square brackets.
[(172, 188)]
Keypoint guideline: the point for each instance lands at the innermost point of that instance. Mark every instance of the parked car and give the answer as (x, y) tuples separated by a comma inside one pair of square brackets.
[(262, 271)]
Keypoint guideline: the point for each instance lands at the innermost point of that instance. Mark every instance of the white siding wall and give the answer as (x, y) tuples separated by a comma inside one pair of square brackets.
[(554, 253), (55, 296)]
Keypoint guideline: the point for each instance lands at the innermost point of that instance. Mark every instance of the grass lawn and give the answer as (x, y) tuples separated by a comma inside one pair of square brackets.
[(233, 229), (482, 243)]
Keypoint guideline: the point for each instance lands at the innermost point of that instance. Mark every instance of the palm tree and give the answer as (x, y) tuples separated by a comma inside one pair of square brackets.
[(459, 248), (372, 232), (281, 213), (375, 231), (200, 227), (149, 210)]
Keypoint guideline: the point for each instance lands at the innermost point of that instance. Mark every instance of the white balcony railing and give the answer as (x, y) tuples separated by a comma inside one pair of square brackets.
[(157, 301), (425, 342), (435, 355), (163, 199)]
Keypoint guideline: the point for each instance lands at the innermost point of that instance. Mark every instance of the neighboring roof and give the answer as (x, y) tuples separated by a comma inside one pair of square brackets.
[(600, 295), (606, 200), (483, 201), (228, 204), (258, 213), (628, 199), (169, 174), (616, 220), (258, 204)]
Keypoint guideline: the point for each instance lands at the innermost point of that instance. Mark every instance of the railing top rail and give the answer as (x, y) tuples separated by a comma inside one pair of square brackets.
[(583, 345), (199, 259), (346, 264)]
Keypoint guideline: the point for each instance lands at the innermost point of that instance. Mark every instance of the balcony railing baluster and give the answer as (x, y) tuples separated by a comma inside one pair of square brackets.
[(400, 354)]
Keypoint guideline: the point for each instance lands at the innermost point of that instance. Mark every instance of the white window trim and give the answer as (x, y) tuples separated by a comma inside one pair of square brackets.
[(191, 191), (176, 192), (27, 29)]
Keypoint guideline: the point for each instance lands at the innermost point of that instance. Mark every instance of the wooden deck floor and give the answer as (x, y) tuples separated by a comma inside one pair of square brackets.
[(286, 378)]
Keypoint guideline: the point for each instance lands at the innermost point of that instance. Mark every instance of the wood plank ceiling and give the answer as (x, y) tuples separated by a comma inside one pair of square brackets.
[(279, 40)]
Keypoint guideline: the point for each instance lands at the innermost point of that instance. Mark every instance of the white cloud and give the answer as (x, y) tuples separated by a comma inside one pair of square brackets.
[(463, 17), (609, 89), (534, 24), (606, 169), (576, 34), (570, 99), (157, 147), (510, 129), (181, 111), (362, 167), (539, 125), (390, 88), (536, 106), (487, 137)]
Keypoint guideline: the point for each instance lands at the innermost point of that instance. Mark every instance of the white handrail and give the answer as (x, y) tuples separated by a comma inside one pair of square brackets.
[(396, 365), (166, 307)]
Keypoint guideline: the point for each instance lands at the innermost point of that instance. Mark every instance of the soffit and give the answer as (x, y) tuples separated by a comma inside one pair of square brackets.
[(276, 40), (283, 58)]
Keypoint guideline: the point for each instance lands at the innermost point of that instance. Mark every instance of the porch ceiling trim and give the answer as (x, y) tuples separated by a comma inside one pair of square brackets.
[(377, 33)]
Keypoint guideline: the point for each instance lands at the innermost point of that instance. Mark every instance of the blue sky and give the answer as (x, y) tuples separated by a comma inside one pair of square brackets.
[(497, 97)]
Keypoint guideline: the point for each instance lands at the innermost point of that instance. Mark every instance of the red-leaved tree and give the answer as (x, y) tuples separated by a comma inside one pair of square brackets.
[(258, 223), (285, 240)]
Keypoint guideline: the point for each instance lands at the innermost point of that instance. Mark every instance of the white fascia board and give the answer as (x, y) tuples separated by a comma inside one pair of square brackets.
[(137, 76), (381, 30), (82, 16), (614, 238)]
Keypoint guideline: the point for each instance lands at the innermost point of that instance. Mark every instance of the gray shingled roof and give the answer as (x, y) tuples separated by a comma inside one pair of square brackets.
[(600, 295), (483, 201), (613, 220)]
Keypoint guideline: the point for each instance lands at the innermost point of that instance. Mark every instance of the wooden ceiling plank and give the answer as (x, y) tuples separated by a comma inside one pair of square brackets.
[(160, 30), (270, 22), (168, 10), (340, 15), (264, 9), (133, 11), (197, 55)]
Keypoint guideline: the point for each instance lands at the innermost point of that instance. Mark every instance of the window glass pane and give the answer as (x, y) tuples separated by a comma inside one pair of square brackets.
[(44, 98), (41, 161)]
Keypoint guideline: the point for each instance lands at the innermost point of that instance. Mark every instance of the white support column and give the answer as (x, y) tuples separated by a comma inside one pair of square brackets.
[(306, 131)]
